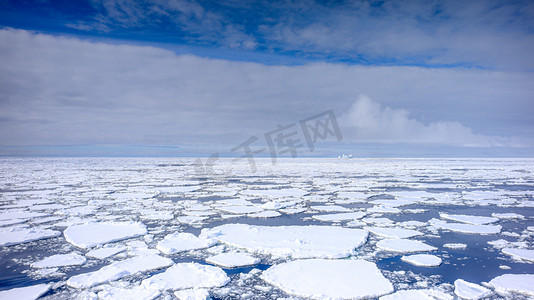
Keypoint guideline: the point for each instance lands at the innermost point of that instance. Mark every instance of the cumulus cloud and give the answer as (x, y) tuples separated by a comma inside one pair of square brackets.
[(369, 121)]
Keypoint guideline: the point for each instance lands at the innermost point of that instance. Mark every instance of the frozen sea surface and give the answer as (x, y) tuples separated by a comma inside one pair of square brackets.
[(156, 228)]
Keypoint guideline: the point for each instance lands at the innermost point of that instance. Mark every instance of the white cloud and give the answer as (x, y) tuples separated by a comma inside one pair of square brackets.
[(369, 121), (58, 90)]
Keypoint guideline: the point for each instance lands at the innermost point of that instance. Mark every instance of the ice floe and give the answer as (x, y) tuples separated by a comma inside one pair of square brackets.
[(422, 260), (293, 241), (232, 260), (457, 246), (475, 220), (119, 270), (187, 276), (106, 252), (409, 295), (180, 242), (466, 228), (404, 246), (99, 233), (394, 232), (312, 278), (469, 290), (131, 293), (525, 254), (25, 293), (339, 217), (514, 283), (14, 236), (60, 260)]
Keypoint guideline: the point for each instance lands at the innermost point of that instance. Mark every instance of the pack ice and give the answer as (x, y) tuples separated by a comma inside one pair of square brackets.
[(99, 233)]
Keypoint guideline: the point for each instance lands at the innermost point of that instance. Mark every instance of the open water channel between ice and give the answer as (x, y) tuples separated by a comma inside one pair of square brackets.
[(158, 228)]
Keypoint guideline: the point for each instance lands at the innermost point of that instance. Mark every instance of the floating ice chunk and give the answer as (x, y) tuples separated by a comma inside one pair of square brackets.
[(177, 189), (404, 246), (293, 211), (98, 233), (192, 294), (191, 219), (103, 253), (135, 293), (466, 228), (180, 242), (14, 236), (232, 260), (500, 243), (186, 276), (312, 278), (519, 253), (514, 283), (394, 202), (330, 208), (372, 220), (339, 217), (408, 295), (276, 193), (422, 260), (25, 293), (152, 214), (507, 216), (394, 232), (20, 214), (475, 220), (265, 214), (278, 204), (118, 270), (468, 290), (457, 246), (60, 260), (241, 209), (294, 241), (383, 210)]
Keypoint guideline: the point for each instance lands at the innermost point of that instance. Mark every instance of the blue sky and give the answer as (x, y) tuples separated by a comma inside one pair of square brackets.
[(190, 78)]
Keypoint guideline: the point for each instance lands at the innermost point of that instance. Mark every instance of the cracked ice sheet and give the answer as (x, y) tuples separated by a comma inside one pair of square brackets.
[(466, 228), (186, 276), (99, 233), (294, 241), (312, 278), (181, 242), (119, 270)]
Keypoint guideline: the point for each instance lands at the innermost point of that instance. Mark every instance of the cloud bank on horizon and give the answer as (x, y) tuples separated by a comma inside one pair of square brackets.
[(203, 75)]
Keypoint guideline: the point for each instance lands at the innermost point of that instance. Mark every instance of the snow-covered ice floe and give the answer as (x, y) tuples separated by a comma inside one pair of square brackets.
[(14, 236), (314, 278), (232, 260), (404, 246), (469, 290), (290, 241), (475, 220), (98, 233), (180, 242), (119, 270), (187, 276), (103, 253), (400, 233), (422, 260), (514, 283), (525, 254), (25, 293), (60, 260), (339, 217), (466, 228)]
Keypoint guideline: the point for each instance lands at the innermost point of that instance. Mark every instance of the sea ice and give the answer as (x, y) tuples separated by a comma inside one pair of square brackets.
[(232, 260), (458, 246), (466, 228), (103, 253), (239, 209), (507, 216), (404, 246), (192, 294), (60, 260), (519, 253), (330, 208), (98, 233), (339, 217), (515, 283), (25, 293), (13, 236), (118, 270), (135, 293), (468, 290), (180, 242), (394, 232), (312, 278), (265, 214), (186, 276), (293, 241), (408, 295), (422, 260), (475, 220)]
